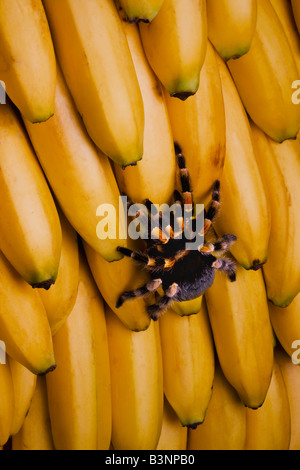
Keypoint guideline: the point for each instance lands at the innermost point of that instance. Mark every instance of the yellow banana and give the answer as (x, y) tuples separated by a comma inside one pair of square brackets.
[(188, 364), (296, 13), (93, 52), (6, 403), (60, 299), (79, 389), (291, 377), (80, 176), (264, 77), (279, 165), (231, 26), (269, 427), (154, 176), (115, 278), (175, 44), (27, 60), (198, 125), (24, 324), (189, 307), (242, 333), (173, 435), (285, 322), (144, 10), (137, 385), (30, 232), (35, 433), (24, 383), (284, 11), (224, 427), (244, 211)]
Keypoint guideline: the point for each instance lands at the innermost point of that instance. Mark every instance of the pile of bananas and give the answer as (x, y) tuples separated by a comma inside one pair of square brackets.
[(97, 92)]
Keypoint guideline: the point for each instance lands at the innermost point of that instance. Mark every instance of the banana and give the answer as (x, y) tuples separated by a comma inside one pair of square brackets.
[(94, 55), (231, 26), (264, 77), (154, 176), (291, 377), (198, 125), (35, 433), (6, 403), (244, 211), (80, 176), (145, 10), (242, 333), (24, 384), (224, 427), (24, 326), (269, 428), (173, 435), (188, 364), (279, 165), (79, 389), (115, 278), (27, 59), (189, 307), (30, 232), (285, 322), (296, 13), (137, 385), (175, 44), (284, 11), (60, 299)]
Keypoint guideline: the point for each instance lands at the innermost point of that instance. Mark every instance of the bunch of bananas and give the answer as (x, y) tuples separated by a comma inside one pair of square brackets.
[(97, 92)]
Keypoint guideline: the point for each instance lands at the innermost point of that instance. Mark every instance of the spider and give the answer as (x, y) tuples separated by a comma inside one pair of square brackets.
[(181, 273)]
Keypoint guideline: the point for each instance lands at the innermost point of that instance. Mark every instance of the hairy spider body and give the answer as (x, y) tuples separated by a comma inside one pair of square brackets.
[(182, 273)]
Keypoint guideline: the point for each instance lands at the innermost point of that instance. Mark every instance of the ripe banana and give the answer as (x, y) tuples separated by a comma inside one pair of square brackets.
[(27, 59), (296, 13), (115, 278), (79, 389), (264, 77), (285, 322), (291, 377), (24, 384), (269, 428), (173, 435), (80, 176), (242, 333), (198, 125), (284, 12), (189, 307), (175, 44), (6, 403), (137, 385), (35, 433), (24, 324), (144, 10), (244, 211), (30, 232), (154, 176), (279, 165), (60, 299), (224, 427), (231, 26), (188, 364), (93, 52)]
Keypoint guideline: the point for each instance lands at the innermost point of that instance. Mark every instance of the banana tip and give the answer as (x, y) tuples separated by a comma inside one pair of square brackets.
[(44, 284)]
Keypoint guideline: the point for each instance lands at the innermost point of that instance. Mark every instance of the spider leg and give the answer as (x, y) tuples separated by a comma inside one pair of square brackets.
[(226, 265), (213, 208), (155, 311), (220, 246), (140, 257), (151, 286)]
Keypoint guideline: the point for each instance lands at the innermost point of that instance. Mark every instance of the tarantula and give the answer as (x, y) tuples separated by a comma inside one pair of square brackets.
[(182, 273)]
